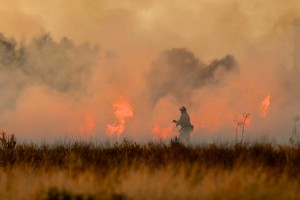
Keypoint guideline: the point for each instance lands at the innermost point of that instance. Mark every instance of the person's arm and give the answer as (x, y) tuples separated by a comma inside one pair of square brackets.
[(178, 122)]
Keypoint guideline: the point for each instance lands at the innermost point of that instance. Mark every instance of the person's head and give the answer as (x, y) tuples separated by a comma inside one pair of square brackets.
[(183, 109)]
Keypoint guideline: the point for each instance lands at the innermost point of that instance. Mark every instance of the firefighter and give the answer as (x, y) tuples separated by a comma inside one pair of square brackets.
[(186, 126)]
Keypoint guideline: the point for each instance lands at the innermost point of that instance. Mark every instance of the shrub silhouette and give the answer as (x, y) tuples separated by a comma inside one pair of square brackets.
[(8, 142)]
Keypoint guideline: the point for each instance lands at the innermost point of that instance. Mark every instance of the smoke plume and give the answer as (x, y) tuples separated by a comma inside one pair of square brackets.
[(60, 66), (178, 72), (235, 54)]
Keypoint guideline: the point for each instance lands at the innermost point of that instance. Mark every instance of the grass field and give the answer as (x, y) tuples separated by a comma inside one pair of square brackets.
[(83, 170)]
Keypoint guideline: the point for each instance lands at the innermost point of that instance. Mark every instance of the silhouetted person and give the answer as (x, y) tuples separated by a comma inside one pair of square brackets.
[(186, 126)]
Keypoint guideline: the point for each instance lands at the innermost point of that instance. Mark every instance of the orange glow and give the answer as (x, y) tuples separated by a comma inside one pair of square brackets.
[(265, 105), (88, 127), (243, 119), (203, 125), (163, 132), (248, 119), (123, 110)]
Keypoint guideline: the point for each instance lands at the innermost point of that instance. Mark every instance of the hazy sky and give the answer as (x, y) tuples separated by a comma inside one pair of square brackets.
[(69, 62)]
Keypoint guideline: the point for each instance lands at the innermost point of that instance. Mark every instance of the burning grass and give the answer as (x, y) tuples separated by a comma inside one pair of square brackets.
[(127, 170)]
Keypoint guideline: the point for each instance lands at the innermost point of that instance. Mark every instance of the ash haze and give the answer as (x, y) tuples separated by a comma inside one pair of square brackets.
[(65, 64)]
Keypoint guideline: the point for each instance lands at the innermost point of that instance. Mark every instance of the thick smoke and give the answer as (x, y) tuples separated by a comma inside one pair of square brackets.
[(178, 72), (60, 66), (42, 78)]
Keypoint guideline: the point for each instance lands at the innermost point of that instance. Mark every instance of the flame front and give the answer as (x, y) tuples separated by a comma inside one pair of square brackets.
[(265, 105), (162, 132), (123, 110)]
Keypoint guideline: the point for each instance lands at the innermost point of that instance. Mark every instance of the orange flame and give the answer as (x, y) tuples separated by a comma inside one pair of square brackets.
[(264, 105), (162, 132), (123, 110), (88, 127)]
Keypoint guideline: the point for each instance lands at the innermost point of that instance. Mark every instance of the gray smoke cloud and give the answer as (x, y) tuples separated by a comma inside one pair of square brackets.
[(179, 72), (61, 66)]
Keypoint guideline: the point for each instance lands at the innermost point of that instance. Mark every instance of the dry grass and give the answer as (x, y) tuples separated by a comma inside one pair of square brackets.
[(81, 170)]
